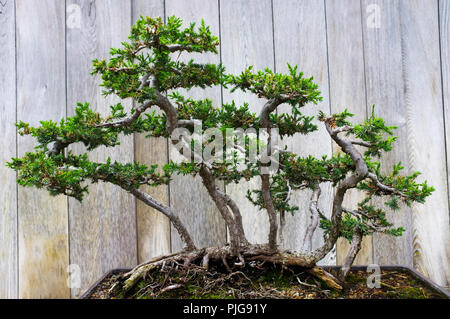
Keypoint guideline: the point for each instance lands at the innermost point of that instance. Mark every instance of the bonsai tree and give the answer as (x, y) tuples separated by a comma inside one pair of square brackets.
[(147, 70)]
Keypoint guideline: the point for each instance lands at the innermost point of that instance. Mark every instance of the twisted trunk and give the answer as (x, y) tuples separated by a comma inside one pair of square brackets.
[(210, 184), (351, 255), (307, 242)]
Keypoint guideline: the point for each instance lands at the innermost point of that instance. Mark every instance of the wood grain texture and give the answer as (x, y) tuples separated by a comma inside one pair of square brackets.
[(246, 37), (423, 102), (300, 39), (385, 89), (8, 190), (347, 90), (103, 226), (43, 233), (188, 197), (399, 65), (444, 26), (153, 228)]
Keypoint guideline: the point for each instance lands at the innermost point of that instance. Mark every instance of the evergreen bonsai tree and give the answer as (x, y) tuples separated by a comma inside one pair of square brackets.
[(147, 70)]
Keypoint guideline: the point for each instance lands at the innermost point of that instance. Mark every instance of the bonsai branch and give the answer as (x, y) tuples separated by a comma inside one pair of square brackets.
[(361, 171), (351, 255), (182, 231), (384, 188), (307, 242), (236, 232)]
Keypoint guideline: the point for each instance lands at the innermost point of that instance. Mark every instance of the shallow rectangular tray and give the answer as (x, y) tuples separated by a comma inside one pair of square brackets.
[(425, 281)]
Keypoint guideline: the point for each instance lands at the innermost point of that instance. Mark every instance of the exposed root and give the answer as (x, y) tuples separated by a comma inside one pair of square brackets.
[(222, 257), (326, 277)]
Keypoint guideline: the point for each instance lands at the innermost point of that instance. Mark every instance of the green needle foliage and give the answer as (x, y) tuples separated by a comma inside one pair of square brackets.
[(148, 70)]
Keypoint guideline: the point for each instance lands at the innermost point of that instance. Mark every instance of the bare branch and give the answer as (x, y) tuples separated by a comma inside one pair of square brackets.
[(188, 123), (268, 108), (182, 231), (56, 148), (237, 215), (144, 81), (384, 188), (179, 47), (361, 143), (351, 255), (265, 189), (130, 119), (137, 111), (356, 213), (307, 241), (171, 112), (264, 122), (345, 128), (282, 225), (208, 180), (361, 171)]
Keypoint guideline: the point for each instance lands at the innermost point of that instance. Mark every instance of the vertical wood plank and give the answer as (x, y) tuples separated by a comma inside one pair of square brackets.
[(347, 90), (43, 237), (300, 39), (247, 39), (153, 228), (8, 191), (188, 197), (103, 226), (425, 123), (385, 89), (444, 26)]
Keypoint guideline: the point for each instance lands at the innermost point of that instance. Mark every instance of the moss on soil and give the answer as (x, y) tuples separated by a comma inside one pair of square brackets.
[(267, 282)]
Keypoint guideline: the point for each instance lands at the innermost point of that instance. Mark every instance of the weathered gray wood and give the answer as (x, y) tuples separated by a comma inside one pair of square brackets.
[(401, 63), (188, 196), (347, 89), (424, 121), (385, 89), (246, 37), (300, 39), (43, 237), (8, 191), (444, 24), (153, 228), (103, 226)]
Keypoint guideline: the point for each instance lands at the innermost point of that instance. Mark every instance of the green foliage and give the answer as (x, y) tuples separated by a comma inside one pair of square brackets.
[(290, 88), (373, 131), (61, 174), (149, 52), (79, 128), (149, 65), (84, 127)]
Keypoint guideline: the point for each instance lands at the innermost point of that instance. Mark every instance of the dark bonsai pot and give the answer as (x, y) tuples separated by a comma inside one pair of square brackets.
[(427, 283)]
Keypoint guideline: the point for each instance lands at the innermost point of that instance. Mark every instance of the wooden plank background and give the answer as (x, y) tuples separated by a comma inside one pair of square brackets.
[(241, 48), (8, 191), (102, 228), (42, 219), (394, 54)]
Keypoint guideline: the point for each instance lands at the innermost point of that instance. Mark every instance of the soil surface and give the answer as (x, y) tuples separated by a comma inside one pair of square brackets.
[(267, 281)]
